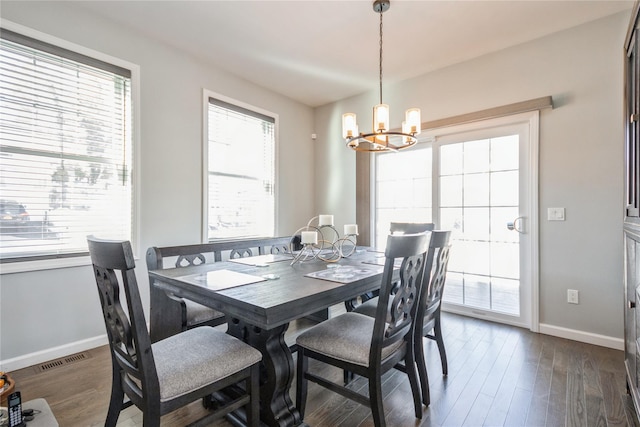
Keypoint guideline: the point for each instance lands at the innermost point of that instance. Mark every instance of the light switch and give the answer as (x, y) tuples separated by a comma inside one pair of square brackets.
[(555, 214)]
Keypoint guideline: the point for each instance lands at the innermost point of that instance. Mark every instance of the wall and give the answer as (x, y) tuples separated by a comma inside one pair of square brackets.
[(581, 159), (47, 314)]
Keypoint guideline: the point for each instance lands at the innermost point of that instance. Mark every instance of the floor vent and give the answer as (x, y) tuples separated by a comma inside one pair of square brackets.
[(63, 361)]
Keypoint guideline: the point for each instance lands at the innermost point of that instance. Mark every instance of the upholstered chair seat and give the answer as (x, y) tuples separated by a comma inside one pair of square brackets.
[(346, 337), (198, 314), (180, 371)]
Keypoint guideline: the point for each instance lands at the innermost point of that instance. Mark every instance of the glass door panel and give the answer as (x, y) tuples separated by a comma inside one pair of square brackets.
[(479, 194)]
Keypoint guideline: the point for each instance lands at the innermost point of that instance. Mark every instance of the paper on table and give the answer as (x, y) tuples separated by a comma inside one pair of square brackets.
[(263, 259), (222, 279)]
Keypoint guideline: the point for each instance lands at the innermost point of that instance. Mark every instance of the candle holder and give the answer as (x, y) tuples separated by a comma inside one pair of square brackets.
[(323, 241)]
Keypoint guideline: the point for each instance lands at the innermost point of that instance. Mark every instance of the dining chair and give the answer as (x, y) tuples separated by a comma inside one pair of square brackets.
[(371, 346), (161, 377), (429, 307), (394, 228), (170, 314)]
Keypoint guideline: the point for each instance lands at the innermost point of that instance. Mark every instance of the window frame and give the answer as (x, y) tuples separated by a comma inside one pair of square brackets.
[(206, 95), (76, 259)]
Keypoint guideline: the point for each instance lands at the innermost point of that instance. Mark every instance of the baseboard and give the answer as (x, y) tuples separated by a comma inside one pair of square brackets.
[(79, 346), (51, 353), (582, 336)]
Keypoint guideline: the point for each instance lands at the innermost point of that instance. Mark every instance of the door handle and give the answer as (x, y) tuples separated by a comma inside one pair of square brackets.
[(513, 225)]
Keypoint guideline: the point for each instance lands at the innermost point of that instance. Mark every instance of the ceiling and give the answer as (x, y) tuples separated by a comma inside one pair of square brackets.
[(321, 51)]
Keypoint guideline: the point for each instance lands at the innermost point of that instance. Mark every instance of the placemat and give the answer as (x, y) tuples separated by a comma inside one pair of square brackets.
[(222, 279), (346, 273)]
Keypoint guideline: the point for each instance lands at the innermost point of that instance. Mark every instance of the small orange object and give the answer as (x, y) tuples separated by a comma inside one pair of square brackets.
[(7, 388)]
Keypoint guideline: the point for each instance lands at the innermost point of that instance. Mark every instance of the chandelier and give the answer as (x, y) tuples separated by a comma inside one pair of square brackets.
[(382, 138)]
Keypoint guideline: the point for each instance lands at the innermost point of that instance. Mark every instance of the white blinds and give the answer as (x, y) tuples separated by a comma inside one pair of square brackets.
[(241, 175), (65, 150)]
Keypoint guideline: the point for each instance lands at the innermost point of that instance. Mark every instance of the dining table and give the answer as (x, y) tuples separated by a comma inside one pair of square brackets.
[(261, 295)]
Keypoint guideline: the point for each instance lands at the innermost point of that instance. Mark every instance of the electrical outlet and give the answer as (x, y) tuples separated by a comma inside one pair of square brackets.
[(572, 296)]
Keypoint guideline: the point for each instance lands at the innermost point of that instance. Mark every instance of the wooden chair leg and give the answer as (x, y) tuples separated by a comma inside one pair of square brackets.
[(151, 417), (437, 331), (410, 367), (253, 408), (422, 371), (375, 397), (117, 398), (301, 382), (348, 377)]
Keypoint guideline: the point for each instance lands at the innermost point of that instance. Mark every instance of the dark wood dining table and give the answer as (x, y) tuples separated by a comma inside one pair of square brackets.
[(259, 313)]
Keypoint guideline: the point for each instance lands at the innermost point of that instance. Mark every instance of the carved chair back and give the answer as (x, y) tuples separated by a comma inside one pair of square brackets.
[(398, 299), (129, 340), (437, 262)]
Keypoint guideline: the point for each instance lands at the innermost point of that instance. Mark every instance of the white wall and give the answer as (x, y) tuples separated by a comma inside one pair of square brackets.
[(581, 159), (47, 314)]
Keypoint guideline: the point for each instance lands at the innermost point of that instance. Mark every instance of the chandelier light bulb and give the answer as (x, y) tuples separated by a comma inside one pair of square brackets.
[(381, 118), (412, 118), (349, 125)]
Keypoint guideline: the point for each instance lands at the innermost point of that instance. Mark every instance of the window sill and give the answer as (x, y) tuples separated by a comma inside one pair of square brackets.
[(44, 264)]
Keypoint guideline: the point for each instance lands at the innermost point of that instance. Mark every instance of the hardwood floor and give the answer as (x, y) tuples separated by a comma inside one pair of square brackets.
[(498, 376)]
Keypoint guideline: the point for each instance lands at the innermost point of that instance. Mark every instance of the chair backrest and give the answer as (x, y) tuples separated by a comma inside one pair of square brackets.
[(435, 276), (233, 249), (188, 255), (410, 227), (185, 256), (397, 303), (128, 336), (279, 245)]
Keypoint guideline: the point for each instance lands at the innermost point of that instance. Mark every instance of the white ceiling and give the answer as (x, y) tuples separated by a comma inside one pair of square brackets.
[(320, 51)]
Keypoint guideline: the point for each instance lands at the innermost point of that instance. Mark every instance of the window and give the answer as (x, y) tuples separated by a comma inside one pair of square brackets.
[(65, 150), (403, 184), (241, 171)]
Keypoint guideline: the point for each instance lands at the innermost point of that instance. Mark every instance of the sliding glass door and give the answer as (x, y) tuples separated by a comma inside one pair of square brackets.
[(480, 182)]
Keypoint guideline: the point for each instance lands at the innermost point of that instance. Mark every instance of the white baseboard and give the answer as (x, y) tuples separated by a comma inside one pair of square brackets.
[(51, 353), (586, 337), (79, 346)]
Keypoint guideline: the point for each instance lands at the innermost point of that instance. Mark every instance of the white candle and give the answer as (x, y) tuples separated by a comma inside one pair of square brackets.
[(309, 237), (325, 220), (350, 229)]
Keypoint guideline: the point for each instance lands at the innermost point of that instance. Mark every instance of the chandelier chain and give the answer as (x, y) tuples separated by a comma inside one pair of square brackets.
[(381, 11)]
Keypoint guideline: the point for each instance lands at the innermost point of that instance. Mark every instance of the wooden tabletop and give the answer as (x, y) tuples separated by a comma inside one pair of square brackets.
[(271, 303)]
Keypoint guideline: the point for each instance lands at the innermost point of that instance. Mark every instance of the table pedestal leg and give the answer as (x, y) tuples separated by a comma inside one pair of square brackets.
[(276, 372)]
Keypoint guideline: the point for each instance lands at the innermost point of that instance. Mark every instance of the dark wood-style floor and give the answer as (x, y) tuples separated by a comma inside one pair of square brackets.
[(498, 376)]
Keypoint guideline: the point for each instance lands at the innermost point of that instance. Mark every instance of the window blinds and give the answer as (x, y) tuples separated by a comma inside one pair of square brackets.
[(65, 150), (241, 175)]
